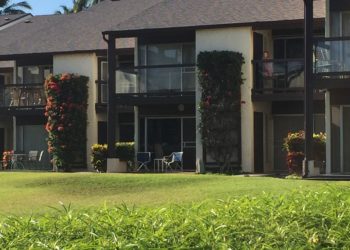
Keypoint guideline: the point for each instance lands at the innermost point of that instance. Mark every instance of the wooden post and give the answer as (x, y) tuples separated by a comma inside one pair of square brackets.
[(111, 107), (308, 99)]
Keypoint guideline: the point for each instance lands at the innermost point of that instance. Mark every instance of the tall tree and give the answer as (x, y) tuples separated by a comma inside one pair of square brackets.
[(78, 5), (6, 7)]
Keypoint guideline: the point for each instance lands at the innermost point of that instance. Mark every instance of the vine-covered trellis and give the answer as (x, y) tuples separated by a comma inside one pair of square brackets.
[(220, 78), (66, 112)]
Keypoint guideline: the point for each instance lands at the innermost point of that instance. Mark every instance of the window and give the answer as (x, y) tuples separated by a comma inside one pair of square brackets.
[(35, 74), (288, 48), (174, 78)]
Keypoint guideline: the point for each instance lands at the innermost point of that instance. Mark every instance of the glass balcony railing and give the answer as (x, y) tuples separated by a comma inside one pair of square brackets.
[(332, 58), (19, 95), (285, 75), (155, 79)]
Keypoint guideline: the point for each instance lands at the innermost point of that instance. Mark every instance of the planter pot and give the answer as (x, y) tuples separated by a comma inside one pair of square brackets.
[(116, 166)]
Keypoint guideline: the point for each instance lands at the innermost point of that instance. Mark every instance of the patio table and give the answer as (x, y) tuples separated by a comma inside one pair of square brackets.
[(159, 164)]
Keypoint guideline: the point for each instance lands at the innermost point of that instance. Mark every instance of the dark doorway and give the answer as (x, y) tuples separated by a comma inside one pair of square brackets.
[(258, 46), (102, 132), (2, 141), (163, 136), (189, 143), (258, 55), (2, 83), (258, 142)]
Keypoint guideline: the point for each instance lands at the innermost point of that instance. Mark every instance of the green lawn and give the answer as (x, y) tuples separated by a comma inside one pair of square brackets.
[(26, 193)]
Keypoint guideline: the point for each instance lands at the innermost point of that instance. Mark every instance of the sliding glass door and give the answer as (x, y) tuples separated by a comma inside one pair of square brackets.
[(165, 135)]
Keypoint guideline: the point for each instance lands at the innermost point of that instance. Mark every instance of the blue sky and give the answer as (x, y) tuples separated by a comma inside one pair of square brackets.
[(44, 7)]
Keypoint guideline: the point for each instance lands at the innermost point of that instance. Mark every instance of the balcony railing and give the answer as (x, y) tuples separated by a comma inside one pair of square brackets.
[(278, 75), (156, 79), (20, 95), (332, 58), (152, 80)]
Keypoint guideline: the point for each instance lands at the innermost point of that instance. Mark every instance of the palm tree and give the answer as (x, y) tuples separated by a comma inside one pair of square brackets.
[(78, 5), (7, 8)]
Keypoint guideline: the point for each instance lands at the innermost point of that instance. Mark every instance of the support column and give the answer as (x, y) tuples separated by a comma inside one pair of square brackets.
[(111, 109), (308, 99), (136, 129), (14, 131), (199, 146), (328, 122)]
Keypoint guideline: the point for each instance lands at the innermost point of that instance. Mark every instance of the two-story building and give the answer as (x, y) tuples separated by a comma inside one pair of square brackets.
[(151, 61), (331, 73), (163, 89)]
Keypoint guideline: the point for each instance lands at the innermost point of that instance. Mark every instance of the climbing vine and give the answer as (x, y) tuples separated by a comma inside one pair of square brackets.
[(66, 112), (220, 78)]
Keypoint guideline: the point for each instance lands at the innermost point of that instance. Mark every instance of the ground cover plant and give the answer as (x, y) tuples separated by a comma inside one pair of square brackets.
[(138, 211), (296, 220)]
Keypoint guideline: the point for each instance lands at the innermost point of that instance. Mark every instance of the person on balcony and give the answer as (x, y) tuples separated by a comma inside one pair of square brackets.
[(267, 68)]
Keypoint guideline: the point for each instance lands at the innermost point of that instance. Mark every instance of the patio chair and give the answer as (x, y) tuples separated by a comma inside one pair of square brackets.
[(143, 159), (173, 161)]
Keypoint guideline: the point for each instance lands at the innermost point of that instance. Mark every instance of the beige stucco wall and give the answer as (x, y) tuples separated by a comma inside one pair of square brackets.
[(83, 64), (327, 28), (238, 39)]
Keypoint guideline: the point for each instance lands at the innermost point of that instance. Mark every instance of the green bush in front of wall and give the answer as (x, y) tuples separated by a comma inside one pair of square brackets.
[(99, 152), (220, 78)]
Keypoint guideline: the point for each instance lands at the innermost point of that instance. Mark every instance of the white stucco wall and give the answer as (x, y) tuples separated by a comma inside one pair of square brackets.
[(83, 64), (238, 39)]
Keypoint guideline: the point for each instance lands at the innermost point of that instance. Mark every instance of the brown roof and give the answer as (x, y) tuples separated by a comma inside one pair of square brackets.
[(197, 13), (6, 19), (68, 33), (82, 31)]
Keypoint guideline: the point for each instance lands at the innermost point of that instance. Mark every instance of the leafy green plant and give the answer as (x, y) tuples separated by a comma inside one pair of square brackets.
[(124, 151), (66, 112), (99, 157), (297, 220), (220, 78)]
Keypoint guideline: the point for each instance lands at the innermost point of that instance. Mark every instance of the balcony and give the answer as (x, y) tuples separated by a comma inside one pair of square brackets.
[(278, 79), (152, 84), (22, 96), (331, 62)]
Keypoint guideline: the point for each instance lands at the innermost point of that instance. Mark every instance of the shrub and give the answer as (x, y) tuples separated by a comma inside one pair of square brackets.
[(6, 159), (99, 157), (66, 112), (220, 78), (297, 220), (294, 144), (124, 151)]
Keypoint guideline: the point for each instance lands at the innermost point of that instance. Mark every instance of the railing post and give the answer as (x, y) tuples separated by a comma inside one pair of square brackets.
[(308, 99)]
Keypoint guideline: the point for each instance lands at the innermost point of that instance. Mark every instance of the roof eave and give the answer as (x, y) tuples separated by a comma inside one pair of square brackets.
[(319, 22)]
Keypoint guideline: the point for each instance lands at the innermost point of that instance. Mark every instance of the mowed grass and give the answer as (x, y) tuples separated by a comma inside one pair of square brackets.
[(32, 193)]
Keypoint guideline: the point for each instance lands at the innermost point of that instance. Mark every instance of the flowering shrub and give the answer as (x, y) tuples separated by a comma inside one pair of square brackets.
[(124, 151), (6, 159), (294, 144), (220, 77), (66, 118), (99, 157)]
